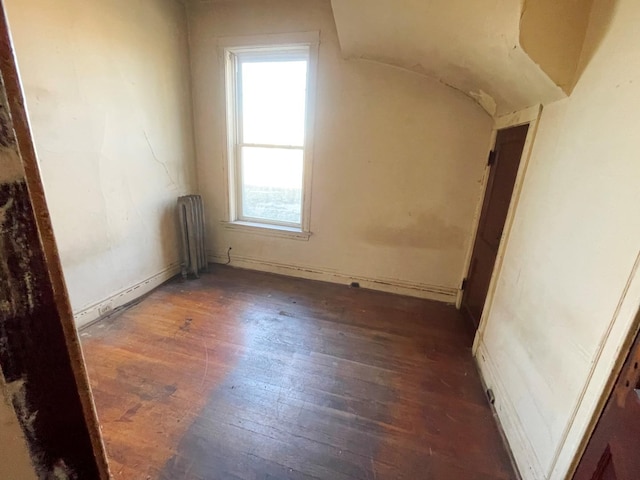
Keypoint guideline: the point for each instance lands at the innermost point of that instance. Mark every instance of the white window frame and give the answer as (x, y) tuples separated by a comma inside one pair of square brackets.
[(268, 47)]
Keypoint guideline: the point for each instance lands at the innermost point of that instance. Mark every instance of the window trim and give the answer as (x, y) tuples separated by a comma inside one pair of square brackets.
[(230, 47)]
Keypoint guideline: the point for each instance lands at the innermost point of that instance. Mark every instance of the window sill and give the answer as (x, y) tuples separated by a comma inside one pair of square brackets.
[(268, 230)]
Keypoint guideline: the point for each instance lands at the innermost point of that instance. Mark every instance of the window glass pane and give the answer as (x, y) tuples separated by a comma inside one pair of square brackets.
[(273, 102), (272, 184)]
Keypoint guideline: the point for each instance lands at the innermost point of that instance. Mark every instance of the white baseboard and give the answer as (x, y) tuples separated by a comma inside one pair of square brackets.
[(522, 450), (94, 312), (391, 285)]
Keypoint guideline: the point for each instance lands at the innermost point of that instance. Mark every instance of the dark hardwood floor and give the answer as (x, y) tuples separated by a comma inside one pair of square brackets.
[(247, 375)]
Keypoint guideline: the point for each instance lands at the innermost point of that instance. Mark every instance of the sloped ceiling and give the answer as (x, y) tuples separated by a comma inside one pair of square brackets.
[(473, 46)]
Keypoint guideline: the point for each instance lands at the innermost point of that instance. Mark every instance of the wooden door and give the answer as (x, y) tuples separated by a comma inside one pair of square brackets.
[(613, 452), (504, 161)]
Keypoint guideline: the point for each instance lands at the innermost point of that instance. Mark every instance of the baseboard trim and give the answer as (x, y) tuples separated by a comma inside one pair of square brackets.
[(98, 310), (527, 463), (390, 285)]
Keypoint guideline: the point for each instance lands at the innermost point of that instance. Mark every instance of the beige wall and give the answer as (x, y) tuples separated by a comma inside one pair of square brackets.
[(397, 164), (470, 45), (552, 34), (15, 462), (108, 92), (567, 293)]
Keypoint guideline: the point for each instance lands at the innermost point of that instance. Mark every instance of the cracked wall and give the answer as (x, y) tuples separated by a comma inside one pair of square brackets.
[(43, 430), (397, 164), (108, 90)]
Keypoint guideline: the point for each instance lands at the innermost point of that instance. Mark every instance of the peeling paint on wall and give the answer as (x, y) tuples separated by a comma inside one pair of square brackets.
[(485, 100), (10, 165), (17, 296), (110, 110)]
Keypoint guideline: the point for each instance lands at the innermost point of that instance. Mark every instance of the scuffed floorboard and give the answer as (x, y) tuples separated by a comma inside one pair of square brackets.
[(255, 376)]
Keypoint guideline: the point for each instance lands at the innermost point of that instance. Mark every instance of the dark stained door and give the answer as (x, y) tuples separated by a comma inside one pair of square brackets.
[(613, 452), (505, 160)]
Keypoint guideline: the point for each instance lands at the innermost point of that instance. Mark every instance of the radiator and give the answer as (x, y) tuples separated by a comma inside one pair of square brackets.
[(191, 214)]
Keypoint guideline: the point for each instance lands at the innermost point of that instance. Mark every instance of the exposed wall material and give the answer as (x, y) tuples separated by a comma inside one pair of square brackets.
[(397, 164), (569, 290), (40, 387), (42, 379), (108, 90), (15, 461)]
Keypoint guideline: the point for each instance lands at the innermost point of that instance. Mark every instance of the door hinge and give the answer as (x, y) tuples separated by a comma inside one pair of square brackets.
[(490, 396), (464, 284), (492, 158)]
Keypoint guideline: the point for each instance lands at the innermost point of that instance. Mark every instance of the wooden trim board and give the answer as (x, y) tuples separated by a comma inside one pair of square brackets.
[(98, 310), (390, 285), (532, 117)]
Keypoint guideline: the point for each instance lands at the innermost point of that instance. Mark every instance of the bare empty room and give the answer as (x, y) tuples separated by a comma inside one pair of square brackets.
[(319, 239)]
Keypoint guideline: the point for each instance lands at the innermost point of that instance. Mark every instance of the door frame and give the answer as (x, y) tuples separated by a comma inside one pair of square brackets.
[(606, 365), (607, 392), (53, 316), (529, 116), (615, 343)]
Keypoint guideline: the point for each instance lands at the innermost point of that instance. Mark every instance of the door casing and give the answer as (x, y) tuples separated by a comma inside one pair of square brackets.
[(531, 116), (41, 349), (623, 366), (504, 161), (613, 347)]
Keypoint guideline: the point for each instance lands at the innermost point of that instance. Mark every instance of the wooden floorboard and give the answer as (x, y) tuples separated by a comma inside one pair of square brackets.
[(247, 375)]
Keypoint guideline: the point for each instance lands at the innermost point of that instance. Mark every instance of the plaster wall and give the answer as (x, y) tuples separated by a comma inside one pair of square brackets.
[(108, 91), (552, 33), (472, 46), (397, 164), (568, 292), (15, 461)]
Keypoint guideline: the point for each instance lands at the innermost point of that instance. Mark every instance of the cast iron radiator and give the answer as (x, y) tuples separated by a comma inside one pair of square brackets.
[(194, 255)]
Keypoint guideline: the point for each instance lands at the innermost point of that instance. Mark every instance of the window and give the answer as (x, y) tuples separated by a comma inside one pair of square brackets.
[(268, 91)]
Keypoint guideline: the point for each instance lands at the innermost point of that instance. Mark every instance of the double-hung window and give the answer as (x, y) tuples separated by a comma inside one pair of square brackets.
[(268, 112)]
